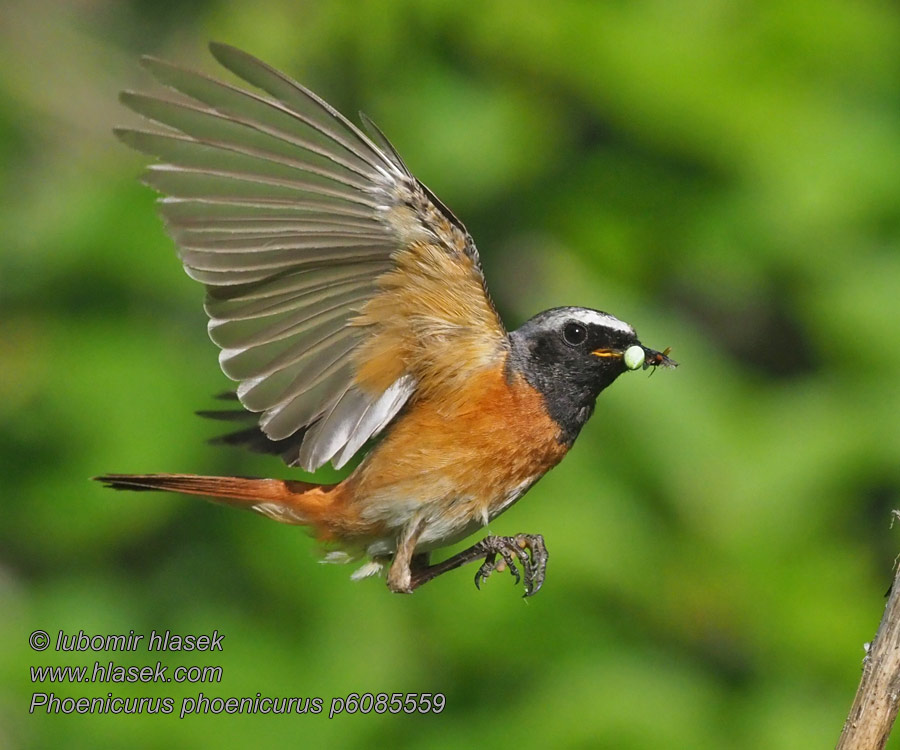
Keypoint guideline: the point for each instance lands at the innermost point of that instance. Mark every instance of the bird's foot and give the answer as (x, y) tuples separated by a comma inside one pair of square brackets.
[(528, 550), (525, 550)]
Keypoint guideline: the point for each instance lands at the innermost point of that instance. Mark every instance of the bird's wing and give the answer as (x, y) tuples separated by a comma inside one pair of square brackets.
[(337, 284)]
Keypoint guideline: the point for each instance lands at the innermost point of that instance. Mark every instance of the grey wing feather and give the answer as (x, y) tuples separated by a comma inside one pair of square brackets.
[(278, 205)]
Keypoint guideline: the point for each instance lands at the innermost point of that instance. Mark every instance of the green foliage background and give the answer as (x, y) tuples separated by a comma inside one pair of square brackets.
[(723, 175)]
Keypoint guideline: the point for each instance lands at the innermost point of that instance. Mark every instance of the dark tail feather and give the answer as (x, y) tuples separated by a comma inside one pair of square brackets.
[(252, 437), (285, 501), (227, 415)]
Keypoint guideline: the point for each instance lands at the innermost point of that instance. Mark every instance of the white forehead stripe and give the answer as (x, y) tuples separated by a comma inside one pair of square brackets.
[(593, 317), (559, 315)]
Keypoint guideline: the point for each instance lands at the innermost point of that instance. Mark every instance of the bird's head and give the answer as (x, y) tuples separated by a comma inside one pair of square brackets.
[(570, 354)]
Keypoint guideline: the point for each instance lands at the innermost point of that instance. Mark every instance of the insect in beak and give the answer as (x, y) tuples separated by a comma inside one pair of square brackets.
[(656, 359)]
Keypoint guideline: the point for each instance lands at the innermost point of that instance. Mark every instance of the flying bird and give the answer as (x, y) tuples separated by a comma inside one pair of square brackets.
[(348, 303)]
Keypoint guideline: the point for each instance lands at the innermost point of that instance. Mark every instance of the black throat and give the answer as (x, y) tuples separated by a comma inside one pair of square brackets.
[(569, 400)]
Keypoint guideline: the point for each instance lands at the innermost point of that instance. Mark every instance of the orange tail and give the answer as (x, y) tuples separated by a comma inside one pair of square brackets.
[(286, 501)]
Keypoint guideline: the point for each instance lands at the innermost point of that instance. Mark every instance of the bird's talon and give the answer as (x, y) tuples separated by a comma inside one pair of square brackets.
[(508, 562), (537, 558), (526, 550), (487, 567)]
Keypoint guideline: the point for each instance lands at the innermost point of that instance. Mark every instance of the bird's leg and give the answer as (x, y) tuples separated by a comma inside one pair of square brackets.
[(528, 550), (399, 577)]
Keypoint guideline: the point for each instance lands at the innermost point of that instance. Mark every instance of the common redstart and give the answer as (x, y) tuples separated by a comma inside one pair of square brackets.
[(350, 303)]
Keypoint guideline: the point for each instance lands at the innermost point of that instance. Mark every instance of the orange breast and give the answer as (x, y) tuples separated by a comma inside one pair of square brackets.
[(457, 458)]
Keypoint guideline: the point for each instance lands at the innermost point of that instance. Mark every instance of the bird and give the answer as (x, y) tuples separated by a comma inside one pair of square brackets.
[(350, 306)]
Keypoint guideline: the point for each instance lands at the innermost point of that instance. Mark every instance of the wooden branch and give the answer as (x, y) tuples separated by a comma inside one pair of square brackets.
[(875, 707)]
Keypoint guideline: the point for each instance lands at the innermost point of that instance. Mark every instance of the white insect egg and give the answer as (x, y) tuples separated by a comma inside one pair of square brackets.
[(634, 357)]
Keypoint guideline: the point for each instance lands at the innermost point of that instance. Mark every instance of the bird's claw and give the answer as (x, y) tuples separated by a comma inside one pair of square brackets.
[(490, 564), (528, 550)]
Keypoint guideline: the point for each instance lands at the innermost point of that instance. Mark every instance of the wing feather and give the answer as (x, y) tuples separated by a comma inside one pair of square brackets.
[(337, 285)]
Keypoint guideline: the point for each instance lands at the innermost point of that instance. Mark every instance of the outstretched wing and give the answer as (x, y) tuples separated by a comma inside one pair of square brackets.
[(337, 284)]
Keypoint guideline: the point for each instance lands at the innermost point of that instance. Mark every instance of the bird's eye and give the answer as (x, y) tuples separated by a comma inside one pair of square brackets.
[(574, 334)]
